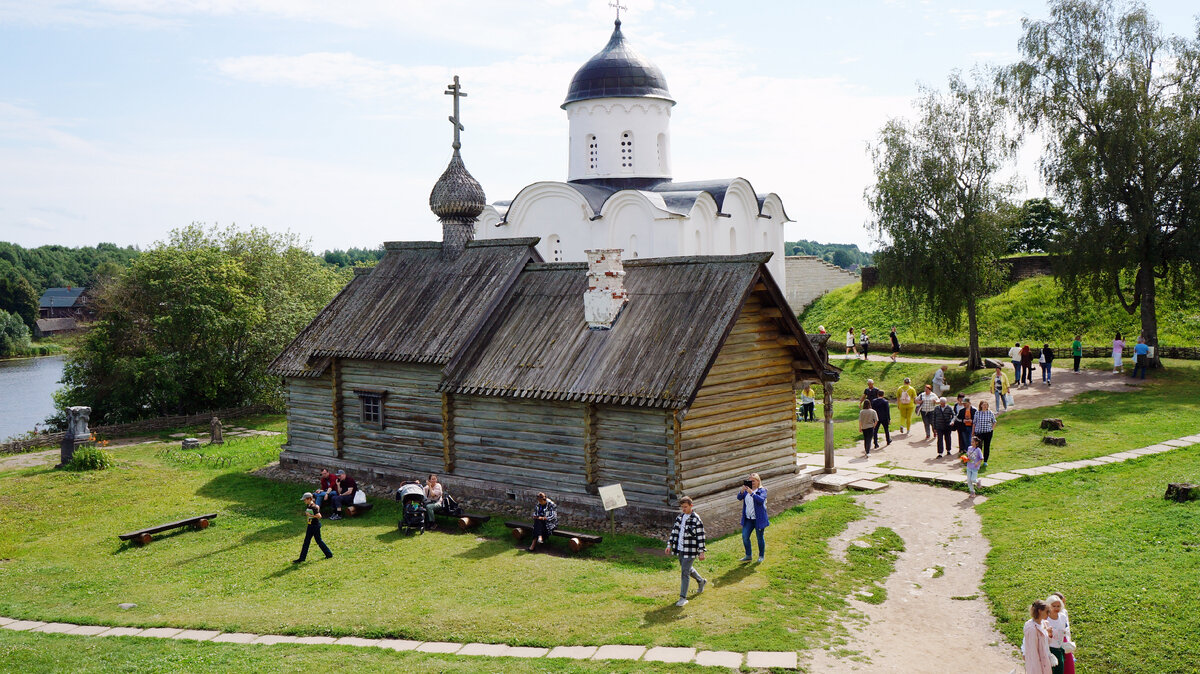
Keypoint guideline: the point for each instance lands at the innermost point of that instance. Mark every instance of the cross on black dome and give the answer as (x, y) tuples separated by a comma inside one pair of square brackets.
[(618, 71)]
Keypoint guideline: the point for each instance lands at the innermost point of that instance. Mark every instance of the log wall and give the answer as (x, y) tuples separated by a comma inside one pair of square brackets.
[(310, 417), (633, 447), (742, 420), (411, 437)]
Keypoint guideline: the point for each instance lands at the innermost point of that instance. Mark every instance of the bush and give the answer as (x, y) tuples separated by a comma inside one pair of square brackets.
[(90, 458)]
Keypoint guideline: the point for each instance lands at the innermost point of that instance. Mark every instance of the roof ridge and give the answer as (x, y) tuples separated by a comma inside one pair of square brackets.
[(515, 241)]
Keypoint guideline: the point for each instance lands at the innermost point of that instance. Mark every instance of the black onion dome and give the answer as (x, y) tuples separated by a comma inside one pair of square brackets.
[(618, 71), (457, 194)]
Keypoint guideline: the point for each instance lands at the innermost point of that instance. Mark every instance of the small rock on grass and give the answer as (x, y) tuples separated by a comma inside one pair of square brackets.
[(126, 606)]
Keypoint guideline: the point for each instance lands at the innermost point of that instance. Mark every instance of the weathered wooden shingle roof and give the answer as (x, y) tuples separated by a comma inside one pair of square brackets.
[(657, 354), (415, 305)]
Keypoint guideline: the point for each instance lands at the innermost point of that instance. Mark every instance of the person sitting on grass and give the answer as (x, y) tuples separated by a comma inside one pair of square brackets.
[(687, 541), (545, 520), (346, 486)]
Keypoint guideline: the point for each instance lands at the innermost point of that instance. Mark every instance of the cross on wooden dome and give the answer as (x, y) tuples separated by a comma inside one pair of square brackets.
[(618, 6), (456, 91)]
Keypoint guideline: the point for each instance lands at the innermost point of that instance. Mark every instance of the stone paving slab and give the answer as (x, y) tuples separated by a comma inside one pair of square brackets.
[(1178, 443), (573, 652), (1064, 466), (1158, 449), (439, 647), (617, 652), (918, 474), (316, 641), (356, 641), (1087, 463), (160, 632), (235, 638), (1143, 451), (987, 482), (1029, 472), (399, 644), (55, 628), (1047, 470), (950, 478), (768, 659), (23, 625), (492, 650), (525, 652), (1124, 455), (838, 479), (121, 632), (1003, 476), (88, 630), (272, 639), (669, 654), (196, 635), (867, 485), (720, 659), (1107, 459), (5, 621)]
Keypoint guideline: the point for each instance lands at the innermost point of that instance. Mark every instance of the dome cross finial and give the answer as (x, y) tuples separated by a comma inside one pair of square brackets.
[(455, 90), (618, 6)]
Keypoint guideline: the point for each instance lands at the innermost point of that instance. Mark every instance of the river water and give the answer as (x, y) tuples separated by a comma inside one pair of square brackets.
[(26, 387)]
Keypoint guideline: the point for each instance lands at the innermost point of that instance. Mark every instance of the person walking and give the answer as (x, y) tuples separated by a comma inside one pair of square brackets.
[(964, 420), (1141, 357), (943, 421), (312, 513), (1026, 365), (1046, 360), (1118, 347), (687, 542), (974, 460), (1056, 629), (808, 402), (850, 343), (1014, 354), (926, 403), (1077, 351), (985, 426), (754, 514), (1068, 641), (867, 419), (906, 402), (884, 412), (865, 342), (1035, 645), (895, 344), (1000, 388)]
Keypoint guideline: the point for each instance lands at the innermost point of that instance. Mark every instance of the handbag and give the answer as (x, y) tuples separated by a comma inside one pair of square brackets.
[(1008, 399), (360, 497)]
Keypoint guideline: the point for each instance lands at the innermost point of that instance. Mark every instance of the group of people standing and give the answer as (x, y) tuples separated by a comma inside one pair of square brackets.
[(1047, 644), (864, 342), (1022, 361), (1141, 356)]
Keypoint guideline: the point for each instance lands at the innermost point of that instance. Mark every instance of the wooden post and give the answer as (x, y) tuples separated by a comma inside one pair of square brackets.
[(448, 432), (335, 375), (589, 446), (676, 458), (829, 467)]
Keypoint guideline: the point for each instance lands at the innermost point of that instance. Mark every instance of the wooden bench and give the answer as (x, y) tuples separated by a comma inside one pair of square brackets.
[(576, 540), (144, 536), (350, 510), (470, 520)]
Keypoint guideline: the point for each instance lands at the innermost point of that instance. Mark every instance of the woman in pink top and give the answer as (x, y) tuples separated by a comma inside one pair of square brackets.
[(1036, 645), (1118, 347)]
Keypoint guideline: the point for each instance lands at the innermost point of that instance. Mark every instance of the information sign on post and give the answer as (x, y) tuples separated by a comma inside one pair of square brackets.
[(613, 497)]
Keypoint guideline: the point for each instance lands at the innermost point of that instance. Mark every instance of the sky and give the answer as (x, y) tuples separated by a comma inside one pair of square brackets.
[(123, 119)]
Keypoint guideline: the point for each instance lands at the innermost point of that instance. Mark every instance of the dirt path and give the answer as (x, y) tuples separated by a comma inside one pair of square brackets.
[(920, 628), (912, 450), (899, 359), (15, 461)]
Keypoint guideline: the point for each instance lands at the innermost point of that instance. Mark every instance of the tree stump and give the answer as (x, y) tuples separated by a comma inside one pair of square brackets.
[(190, 443), (1182, 492), (1057, 442), (1052, 424)]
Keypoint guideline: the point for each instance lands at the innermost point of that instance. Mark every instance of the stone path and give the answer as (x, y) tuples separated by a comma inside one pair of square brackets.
[(729, 659), (935, 611), (880, 357)]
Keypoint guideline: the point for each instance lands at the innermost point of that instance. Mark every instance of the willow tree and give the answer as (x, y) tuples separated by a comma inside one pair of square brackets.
[(1118, 105), (937, 203)]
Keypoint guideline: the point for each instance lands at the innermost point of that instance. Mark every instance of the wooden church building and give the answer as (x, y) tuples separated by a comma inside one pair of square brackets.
[(507, 375)]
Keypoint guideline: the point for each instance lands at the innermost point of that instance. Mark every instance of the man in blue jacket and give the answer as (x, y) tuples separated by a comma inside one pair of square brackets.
[(754, 514)]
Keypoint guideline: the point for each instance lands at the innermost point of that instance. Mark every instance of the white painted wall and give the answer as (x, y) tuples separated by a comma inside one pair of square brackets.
[(643, 123)]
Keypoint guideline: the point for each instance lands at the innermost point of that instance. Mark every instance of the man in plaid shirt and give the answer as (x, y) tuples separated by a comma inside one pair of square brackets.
[(926, 402), (687, 541)]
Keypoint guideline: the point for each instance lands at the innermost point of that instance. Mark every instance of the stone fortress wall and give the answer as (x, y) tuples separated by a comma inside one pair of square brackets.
[(809, 277)]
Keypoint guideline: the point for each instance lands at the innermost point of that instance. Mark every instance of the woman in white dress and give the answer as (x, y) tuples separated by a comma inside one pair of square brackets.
[(1036, 644)]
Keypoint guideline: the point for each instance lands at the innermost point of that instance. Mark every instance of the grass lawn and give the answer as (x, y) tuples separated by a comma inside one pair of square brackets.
[(1127, 560), (34, 652), (1102, 422), (62, 561)]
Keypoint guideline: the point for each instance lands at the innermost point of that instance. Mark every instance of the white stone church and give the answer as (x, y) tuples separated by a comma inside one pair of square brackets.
[(620, 192)]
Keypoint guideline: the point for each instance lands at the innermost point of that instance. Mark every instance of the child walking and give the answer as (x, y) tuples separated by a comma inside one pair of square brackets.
[(312, 513), (974, 461), (687, 542)]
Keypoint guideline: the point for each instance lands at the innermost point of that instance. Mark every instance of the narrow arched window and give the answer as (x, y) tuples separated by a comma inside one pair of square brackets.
[(698, 249), (593, 153), (554, 245), (662, 153), (732, 240), (632, 254), (765, 245), (627, 151)]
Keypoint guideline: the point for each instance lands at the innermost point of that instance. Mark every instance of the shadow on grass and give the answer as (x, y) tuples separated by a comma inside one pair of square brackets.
[(736, 575), (663, 615)]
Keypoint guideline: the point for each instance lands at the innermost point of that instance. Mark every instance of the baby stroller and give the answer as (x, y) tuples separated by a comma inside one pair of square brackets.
[(412, 500)]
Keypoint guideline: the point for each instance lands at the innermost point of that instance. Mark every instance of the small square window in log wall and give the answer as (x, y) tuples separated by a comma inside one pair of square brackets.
[(371, 407)]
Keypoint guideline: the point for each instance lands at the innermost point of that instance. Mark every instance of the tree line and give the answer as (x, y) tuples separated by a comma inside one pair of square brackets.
[(844, 255), (1117, 105)]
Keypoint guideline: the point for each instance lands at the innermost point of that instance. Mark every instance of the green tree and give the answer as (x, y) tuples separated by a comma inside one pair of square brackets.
[(14, 334), (18, 297), (194, 322), (936, 201), (1119, 107), (1039, 226)]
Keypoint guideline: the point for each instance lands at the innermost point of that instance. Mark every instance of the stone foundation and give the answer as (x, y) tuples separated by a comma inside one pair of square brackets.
[(721, 513)]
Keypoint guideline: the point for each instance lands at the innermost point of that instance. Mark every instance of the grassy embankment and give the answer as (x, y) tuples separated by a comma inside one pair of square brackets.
[(1127, 560), (64, 562), (1033, 311)]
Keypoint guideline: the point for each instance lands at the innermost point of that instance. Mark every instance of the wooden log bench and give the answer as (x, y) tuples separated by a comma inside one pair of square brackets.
[(349, 510), (144, 536), (471, 520), (576, 540)]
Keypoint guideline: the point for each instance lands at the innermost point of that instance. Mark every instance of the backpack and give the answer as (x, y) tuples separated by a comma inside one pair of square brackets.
[(904, 398), (450, 507)]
